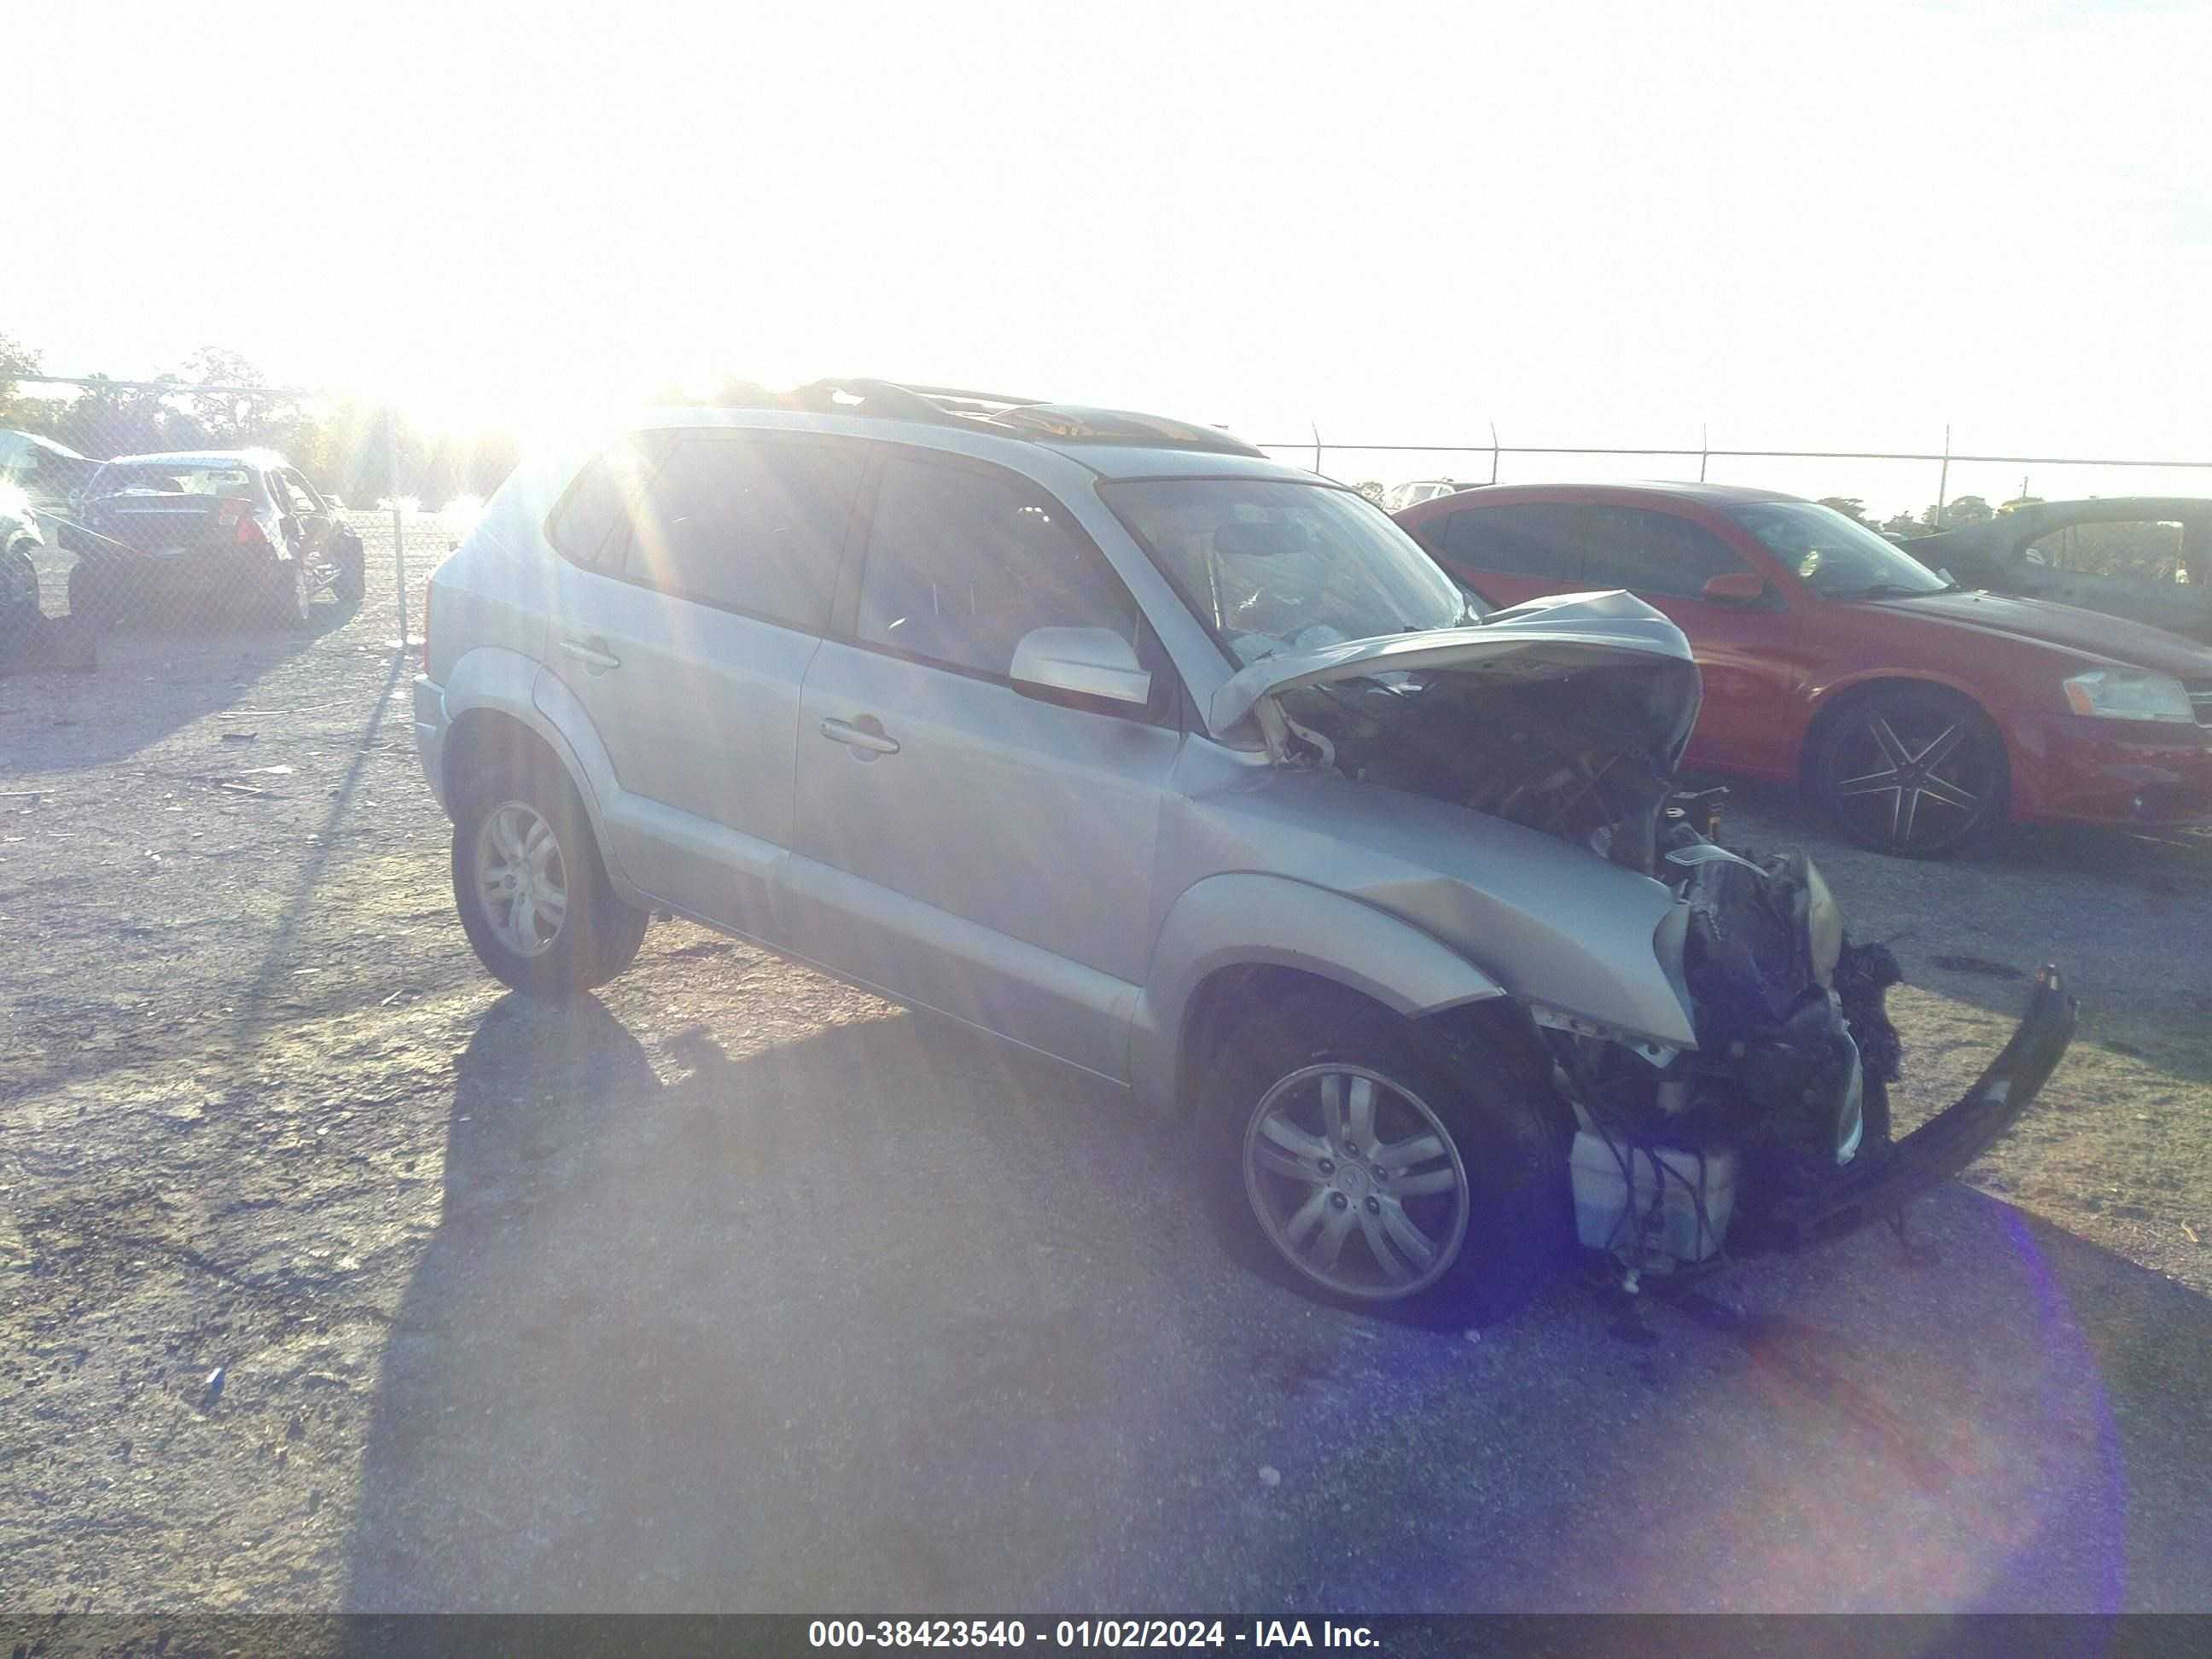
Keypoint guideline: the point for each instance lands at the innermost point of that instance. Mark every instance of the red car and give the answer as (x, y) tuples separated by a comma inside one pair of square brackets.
[(1919, 713)]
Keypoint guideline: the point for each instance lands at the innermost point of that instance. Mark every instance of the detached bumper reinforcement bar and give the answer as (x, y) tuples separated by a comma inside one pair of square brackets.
[(1874, 1187)]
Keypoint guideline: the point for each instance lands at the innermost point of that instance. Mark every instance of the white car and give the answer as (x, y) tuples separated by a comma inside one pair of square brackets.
[(1402, 496)]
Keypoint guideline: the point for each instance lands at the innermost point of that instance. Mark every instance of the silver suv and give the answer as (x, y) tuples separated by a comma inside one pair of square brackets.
[(1112, 737)]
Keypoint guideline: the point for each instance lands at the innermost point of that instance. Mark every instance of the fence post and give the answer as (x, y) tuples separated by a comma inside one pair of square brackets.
[(1493, 452), (1943, 479), (1704, 449), (1317, 432), (398, 520)]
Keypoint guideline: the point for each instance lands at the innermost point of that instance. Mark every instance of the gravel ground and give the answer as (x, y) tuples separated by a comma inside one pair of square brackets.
[(735, 1288)]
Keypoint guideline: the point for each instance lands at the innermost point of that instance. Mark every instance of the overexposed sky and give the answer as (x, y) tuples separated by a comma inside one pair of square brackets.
[(1800, 226)]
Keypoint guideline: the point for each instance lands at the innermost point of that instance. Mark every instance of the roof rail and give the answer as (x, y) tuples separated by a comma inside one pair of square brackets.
[(953, 394), (1032, 418)]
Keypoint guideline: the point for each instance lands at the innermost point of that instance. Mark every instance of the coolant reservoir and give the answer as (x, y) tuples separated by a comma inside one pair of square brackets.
[(1676, 1179)]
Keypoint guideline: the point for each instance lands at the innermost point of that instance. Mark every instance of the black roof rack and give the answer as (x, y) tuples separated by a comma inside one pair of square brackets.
[(990, 411)]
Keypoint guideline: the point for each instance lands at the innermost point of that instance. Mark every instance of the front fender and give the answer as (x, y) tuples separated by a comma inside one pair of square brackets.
[(1259, 920)]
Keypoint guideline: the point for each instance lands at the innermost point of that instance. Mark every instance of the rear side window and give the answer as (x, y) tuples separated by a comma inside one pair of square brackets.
[(292, 493), (1648, 552), (961, 564), (755, 525), (1527, 540), (583, 525)]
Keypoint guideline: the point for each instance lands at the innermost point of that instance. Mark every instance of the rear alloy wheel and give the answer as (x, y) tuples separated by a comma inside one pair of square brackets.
[(1911, 771), (533, 897)]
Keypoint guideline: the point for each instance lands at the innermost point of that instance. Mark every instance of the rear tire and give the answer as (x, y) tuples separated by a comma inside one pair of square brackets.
[(1355, 1158), (350, 561), (532, 893)]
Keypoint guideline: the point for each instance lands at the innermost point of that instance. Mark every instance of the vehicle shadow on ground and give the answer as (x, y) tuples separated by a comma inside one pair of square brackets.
[(683, 1344), (99, 699), (882, 1319)]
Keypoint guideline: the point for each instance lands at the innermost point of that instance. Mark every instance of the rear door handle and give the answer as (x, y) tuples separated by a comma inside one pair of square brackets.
[(590, 655), (864, 734)]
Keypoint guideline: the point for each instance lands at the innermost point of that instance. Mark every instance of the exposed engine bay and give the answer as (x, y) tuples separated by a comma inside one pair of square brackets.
[(1788, 1082)]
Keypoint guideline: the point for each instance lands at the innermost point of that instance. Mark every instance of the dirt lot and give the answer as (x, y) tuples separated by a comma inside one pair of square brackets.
[(733, 1287)]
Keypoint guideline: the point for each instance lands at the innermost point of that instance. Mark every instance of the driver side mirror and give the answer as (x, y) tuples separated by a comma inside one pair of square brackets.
[(1083, 662), (1736, 588)]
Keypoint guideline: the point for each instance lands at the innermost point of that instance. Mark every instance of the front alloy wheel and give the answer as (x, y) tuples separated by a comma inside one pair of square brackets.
[(1911, 772), (1356, 1181)]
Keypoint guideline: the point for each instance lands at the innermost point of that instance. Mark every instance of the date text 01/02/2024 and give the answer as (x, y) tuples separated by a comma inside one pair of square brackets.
[(1085, 1633)]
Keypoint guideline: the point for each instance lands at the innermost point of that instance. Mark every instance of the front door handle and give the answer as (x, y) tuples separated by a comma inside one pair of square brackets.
[(590, 655), (863, 736)]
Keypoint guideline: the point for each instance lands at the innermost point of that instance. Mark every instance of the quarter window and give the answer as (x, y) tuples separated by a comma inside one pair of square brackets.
[(962, 564)]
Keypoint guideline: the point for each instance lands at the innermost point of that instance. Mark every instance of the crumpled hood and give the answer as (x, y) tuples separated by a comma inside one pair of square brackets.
[(2091, 633), (1537, 640)]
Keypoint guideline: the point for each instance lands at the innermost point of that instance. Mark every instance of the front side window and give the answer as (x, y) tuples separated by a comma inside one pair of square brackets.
[(751, 525), (1835, 558), (297, 497), (962, 564), (1648, 552), (1273, 565)]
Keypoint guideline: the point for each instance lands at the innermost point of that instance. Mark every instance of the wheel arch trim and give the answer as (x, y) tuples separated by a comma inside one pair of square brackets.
[(1841, 694), (1244, 921), (495, 681)]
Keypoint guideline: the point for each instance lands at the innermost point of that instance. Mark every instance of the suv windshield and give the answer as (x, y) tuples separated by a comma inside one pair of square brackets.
[(1273, 565), (1835, 558)]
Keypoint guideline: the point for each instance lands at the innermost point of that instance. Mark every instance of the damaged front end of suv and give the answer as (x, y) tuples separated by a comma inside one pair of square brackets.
[(1763, 1123)]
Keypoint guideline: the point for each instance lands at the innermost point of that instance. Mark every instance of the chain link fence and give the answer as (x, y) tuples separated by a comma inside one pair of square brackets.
[(137, 509), (1399, 474)]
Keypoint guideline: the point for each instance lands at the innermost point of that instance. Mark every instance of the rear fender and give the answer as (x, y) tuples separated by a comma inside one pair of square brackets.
[(491, 678)]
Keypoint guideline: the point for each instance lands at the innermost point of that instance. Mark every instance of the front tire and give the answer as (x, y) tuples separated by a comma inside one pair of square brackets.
[(1911, 770), (533, 896), (1377, 1171)]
